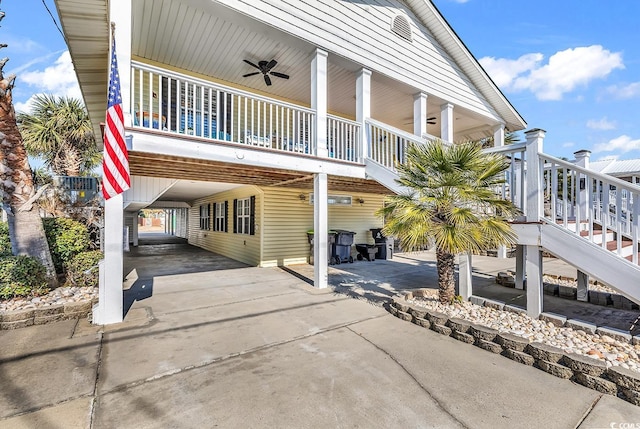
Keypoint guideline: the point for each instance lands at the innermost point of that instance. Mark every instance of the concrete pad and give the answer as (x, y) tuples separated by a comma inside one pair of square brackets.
[(483, 390), (42, 366), (175, 341), (611, 412), (334, 379), (72, 414)]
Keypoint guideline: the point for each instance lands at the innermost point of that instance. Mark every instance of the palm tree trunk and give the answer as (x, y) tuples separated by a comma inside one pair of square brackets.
[(446, 281), (16, 187)]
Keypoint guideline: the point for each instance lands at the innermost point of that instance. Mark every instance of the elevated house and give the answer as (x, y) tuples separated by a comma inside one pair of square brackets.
[(258, 120)]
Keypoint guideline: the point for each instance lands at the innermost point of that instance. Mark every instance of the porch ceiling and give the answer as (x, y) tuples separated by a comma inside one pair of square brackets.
[(198, 170), (209, 39)]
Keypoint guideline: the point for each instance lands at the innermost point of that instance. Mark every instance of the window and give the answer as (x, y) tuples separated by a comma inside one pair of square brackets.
[(220, 213), (337, 200), (244, 211), (205, 216)]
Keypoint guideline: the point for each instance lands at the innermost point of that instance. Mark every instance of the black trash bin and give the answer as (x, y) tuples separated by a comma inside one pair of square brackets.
[(341, 248), (384, 244)]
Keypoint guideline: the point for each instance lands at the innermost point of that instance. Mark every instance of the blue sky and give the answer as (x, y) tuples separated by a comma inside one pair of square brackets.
[(571, 67)]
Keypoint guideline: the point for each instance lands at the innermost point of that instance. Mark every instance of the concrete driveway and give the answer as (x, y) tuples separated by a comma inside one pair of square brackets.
[(251, 347)]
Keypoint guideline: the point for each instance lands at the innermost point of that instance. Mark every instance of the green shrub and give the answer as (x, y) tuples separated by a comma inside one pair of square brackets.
[(21, 276), (82, 270), (5, 243), (66, 238)]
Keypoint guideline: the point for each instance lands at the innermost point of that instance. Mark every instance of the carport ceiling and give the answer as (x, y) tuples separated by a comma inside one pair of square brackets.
[(191, 169)]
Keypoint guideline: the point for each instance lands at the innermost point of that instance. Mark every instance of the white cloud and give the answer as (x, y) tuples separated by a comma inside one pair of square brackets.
[(568, 144), (58, 79), (631, 90), (601, 124), (623, 144), (564, 71)]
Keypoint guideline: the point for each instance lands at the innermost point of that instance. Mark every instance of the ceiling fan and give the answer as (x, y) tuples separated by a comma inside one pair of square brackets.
[(430, 120), (265, 68)]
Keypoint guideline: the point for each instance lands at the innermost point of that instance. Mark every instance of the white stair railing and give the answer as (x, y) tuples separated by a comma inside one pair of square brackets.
[(388, 145)]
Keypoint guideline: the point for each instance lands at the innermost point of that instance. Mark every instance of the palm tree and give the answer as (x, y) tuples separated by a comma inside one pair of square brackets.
[(451, 203), (17, 192), (59, 131)]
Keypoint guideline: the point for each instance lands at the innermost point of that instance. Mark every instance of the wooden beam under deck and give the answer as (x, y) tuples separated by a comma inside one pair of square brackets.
[(172, 167)]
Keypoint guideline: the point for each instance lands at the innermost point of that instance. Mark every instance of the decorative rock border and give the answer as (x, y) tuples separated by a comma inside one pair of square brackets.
[(40, 316), (588, 372), (563, 287)]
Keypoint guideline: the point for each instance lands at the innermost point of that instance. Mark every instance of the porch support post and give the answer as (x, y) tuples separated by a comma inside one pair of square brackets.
[(465, 285), (134, 229), (446, 122), (363, 107), (582, 160), (533, 210), (120, 13), (498, 140), (520, 256), (498, 135), (109, 307), (583, 286), (319, 100), (420, 114), (534, 281), (320, 230)]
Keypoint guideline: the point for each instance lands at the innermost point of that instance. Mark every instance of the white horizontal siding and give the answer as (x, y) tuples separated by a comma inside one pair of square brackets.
[(361, 32)]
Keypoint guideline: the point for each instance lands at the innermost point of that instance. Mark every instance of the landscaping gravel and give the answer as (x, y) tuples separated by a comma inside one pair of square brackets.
[(602, 347), (61, 295)]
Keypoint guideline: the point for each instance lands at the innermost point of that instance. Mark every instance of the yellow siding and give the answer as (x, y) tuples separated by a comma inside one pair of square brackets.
[(287, 219), (241, 247)]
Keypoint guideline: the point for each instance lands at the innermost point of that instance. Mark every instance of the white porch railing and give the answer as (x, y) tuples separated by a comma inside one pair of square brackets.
[(344, 139), (514, 184), (589, 204), (176, 103), (388, 145)]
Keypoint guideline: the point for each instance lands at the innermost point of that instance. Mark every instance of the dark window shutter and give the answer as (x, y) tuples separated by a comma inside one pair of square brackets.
[(226, 216), (235, 218), (215, 218), (252, 215)]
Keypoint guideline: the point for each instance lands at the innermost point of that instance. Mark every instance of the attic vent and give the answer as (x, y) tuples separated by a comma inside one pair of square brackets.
[(401, 26)]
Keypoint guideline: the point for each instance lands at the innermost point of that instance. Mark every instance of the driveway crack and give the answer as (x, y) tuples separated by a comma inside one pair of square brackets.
[(438, 403)]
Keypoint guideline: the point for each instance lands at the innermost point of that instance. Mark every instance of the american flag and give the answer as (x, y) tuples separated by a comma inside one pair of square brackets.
[(115, 160)]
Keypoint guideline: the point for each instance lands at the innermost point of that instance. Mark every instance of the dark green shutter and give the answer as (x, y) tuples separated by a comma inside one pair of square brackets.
[(226, 216), (215, 220), (235, 218), (252, 215)]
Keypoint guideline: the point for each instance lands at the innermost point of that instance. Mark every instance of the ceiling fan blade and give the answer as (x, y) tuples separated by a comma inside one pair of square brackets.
[(282, 75), (433, 118), (251, 64), (250, 74), (267, 80), (271, 64)]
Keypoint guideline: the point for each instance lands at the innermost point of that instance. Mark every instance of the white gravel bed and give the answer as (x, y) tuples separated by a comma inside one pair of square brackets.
[(61, 295), (601, 347), (574, 283)]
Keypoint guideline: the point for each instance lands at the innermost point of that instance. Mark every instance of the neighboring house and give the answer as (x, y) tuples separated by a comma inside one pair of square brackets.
[(237, 111)]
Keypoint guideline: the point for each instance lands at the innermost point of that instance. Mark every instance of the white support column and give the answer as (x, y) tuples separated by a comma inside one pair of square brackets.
[(320, 230), (135, 229), (533, 211), (465, 278), (319, 100), (109, 307), (446, 122), (521, 253), (120, 13), (363, 106), (498, 140), (582, 160), (534, 281), (583, 286), (420, 114), (498, 135)]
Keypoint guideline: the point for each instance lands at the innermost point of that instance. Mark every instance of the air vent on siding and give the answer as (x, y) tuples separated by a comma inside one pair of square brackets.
[(401, 26)]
